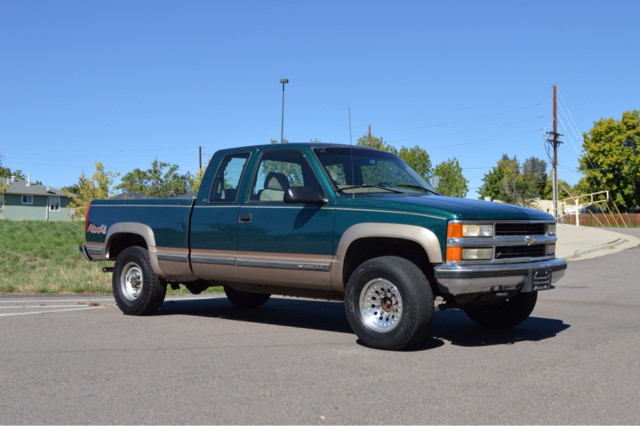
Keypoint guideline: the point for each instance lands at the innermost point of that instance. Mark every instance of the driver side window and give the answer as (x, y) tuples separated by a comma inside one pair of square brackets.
[(278, 171)]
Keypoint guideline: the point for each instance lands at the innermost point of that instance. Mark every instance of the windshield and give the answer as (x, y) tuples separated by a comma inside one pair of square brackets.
[(362, 171)]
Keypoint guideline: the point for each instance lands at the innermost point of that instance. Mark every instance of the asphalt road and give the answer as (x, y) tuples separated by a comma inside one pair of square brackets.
[(576, 360)]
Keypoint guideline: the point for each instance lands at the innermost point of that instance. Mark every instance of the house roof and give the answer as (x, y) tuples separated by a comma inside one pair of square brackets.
[(19, 187)]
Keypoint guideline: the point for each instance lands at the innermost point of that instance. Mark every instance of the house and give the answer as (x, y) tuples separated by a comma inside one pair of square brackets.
[(24, 200)]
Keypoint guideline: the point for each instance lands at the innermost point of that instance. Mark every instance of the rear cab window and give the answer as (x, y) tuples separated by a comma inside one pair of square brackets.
[(228, 177)]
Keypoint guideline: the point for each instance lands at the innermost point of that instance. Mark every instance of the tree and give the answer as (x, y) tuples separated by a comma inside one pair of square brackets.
[(7, 172), (580, 188), (612, 158), (156, 181), (3, 186), (196, 180), (493, 184), (418, 159), (564, 190), (515, 184), (452, 182), (534, 174), (3, 189), (95, 188), (71, 189), (378, 143)]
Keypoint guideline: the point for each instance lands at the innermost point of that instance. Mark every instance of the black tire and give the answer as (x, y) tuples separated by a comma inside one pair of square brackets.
[(133, 267), (402, 317), (507, 314), (245, 300)]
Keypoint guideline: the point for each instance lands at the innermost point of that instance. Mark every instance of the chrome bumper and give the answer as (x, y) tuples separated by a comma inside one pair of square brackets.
[(458, 279)]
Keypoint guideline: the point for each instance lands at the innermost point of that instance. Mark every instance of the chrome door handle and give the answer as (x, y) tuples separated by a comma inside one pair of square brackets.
[(244, 218)]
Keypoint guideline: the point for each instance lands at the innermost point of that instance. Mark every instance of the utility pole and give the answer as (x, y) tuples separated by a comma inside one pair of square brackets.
[(553, 140), (200, 150), (369, 135)]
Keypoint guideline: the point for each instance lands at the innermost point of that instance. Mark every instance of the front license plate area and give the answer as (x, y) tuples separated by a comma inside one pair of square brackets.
[(541, 279), (537, 279)]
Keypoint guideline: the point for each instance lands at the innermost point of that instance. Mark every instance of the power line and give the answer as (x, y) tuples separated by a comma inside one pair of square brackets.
[(461, 121), (436, 113), (595, 184), (575, 133), (471, 131), (484, 140)]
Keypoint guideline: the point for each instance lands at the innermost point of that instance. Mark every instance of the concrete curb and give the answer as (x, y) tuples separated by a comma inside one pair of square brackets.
[(604, 247)]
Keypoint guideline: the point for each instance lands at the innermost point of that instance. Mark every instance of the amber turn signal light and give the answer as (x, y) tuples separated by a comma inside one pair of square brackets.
[(454, 230), (454, 253)]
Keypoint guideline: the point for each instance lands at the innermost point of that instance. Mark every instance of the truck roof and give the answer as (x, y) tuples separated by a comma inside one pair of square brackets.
[(308, 145)]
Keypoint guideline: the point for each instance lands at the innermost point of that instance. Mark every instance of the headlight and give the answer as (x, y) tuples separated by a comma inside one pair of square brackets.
[(551, 229), (551, 249), (477, 254), (469, 230)]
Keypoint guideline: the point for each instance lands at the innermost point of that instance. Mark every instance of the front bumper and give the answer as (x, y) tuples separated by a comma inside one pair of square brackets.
[(468, 279)]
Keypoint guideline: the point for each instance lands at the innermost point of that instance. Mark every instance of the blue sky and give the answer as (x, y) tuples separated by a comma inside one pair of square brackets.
[(124, 82)]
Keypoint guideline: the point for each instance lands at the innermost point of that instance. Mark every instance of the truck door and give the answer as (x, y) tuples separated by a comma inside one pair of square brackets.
[(284, 244), (214, 222)]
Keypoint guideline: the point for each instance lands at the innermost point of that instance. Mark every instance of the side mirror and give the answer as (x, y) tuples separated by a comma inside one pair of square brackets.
[(303, 195)]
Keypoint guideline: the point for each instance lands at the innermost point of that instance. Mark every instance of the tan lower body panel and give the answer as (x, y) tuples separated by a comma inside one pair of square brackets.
[(215, 265), (174, 263), (308, 271)]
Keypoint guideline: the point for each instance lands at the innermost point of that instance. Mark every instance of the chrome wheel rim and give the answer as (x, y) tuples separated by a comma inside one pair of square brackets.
[(380, 305), (131, 281)]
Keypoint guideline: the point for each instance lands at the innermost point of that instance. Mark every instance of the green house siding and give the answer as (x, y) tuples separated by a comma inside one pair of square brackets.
[(15, 210)]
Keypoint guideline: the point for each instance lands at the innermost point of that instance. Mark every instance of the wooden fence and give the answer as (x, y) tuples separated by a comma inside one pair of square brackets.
[(613, 220)]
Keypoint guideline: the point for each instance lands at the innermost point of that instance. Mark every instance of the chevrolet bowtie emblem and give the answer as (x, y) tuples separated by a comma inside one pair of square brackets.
[(530, 240)]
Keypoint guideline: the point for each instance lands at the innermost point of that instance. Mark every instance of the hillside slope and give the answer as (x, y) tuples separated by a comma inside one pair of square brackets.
[(43, 257)]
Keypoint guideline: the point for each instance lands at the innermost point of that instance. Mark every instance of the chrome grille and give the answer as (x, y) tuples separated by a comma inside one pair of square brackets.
[(515, 229), (510, 252)]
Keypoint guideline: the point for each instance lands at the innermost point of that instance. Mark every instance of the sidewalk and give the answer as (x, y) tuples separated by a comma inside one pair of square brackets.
[(582, 242)]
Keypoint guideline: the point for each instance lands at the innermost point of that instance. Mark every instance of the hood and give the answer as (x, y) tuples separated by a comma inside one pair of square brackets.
[(448, 207)]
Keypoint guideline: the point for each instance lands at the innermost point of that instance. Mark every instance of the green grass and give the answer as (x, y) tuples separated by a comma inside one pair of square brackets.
[(43, 257)]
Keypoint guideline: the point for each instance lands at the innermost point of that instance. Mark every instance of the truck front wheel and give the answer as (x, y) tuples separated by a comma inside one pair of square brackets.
[(245, 300), (389, 303), (136, 288), (506, 314)]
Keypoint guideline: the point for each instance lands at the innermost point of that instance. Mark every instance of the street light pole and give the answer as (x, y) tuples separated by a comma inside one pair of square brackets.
[(283, 81)]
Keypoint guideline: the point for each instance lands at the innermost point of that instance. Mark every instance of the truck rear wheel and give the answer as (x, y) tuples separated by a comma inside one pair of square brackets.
[(389, 303), (245, 300), (506, 314), (136, 288)]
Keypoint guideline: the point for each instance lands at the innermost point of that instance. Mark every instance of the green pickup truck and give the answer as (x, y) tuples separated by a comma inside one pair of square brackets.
[(329, 222)]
